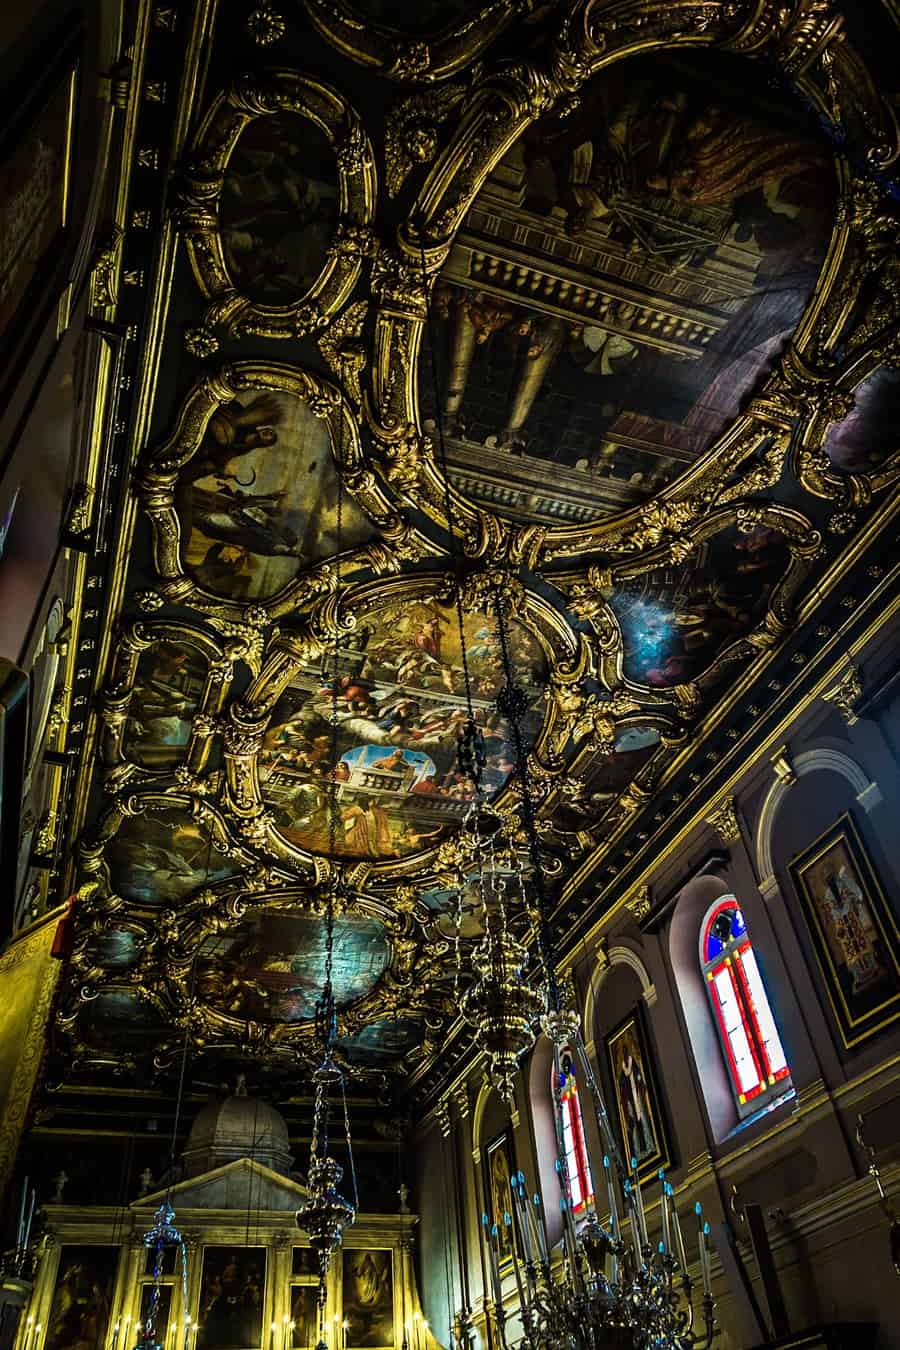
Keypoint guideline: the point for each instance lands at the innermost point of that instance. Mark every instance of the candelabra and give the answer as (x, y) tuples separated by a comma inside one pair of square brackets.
[(157, 1239), (604, 1290), (499, 1002)]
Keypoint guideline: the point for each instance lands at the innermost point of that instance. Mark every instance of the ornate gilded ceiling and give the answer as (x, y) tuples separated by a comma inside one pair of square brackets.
[(586, 310)]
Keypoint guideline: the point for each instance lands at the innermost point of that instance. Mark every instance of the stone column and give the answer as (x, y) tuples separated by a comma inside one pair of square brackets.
[(531, 373), (460, 361)]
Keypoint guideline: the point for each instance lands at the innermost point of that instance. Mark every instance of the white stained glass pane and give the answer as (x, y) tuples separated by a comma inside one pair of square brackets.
[(571, 1154), (734, 1030), (766, 1022)]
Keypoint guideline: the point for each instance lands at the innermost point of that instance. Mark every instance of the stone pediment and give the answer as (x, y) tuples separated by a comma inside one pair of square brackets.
[(241, 1184)]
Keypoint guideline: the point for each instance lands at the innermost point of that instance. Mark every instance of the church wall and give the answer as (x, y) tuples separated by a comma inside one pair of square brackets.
[(798, 1159)]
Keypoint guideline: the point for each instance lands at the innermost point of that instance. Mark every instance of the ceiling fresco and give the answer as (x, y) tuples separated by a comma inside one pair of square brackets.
[(588, 320), (629, 271)]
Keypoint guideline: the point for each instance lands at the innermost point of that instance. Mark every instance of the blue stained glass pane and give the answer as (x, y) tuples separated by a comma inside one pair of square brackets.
[(713, 947), (728, 926)]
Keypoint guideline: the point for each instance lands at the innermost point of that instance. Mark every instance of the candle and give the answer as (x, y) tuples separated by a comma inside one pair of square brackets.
[(642, 1218), (115, 1335), (611, 1194), (29, 1326), (702, 1230), (273, 1329), (345, 1326), (707, 1270), (676, 1226), (635, 1227), (664, 1212), (21, 1225), (541, 1227), (491, 1255), (28, 1223)]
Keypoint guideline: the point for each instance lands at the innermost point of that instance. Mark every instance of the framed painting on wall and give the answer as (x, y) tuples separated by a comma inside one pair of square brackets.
[(636, 1095), (367, 1287), (35, 162), (232, 1289), (853, 930), (499, 1166), (79, 1313)]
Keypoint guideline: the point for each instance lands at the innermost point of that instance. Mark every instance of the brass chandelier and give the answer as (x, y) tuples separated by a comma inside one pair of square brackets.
[(598, 1289)]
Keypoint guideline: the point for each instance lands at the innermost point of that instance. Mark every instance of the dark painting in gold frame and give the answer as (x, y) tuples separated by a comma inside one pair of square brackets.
[(367, 1287), (35, 162), (499, 1168), (79, 1314), (853, 930), (635, 1092)]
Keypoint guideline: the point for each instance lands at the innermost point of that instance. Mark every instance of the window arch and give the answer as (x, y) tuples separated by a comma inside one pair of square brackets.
[(581, 1183), (754, 1056)]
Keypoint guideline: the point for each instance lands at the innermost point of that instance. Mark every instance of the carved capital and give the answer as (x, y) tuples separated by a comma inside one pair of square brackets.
[(845, 694), (460, 1097), (724, 820), (442, 1114), (782, 766), (640, 903)]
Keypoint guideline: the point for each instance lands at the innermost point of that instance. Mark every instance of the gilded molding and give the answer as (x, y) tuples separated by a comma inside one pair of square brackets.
[(203, 181)]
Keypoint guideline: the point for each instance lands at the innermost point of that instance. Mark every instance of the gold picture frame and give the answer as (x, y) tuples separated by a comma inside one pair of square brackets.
[(853, 930)]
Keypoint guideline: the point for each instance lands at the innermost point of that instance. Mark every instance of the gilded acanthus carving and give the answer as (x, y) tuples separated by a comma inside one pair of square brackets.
[(724, 820), (411, 131), (846, 694)]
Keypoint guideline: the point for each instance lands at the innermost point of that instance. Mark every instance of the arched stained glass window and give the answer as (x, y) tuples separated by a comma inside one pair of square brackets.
[(578, 1167), (756, 1061)]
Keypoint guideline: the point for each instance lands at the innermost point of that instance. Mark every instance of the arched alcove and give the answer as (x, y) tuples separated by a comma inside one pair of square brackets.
[(849, 784), (598, 992), (693, 902), (544, 1132)]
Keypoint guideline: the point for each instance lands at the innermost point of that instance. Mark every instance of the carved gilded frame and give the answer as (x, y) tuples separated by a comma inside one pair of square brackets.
[(311, 639), (811, 54), (250, 98), (116, 702), (158, 472), (427, 57)]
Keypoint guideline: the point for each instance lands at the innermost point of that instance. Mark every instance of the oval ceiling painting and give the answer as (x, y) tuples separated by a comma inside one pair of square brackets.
[(279, 208), (401, 701), (675, 622), (624, 279), (159, 857), (167, 689), (258, 502), (271, 966)]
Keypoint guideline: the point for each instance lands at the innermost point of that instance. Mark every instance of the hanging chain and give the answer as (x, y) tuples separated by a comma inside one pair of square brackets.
[(512, 705), (470, 749), (349, 1146), (328, 1027)]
